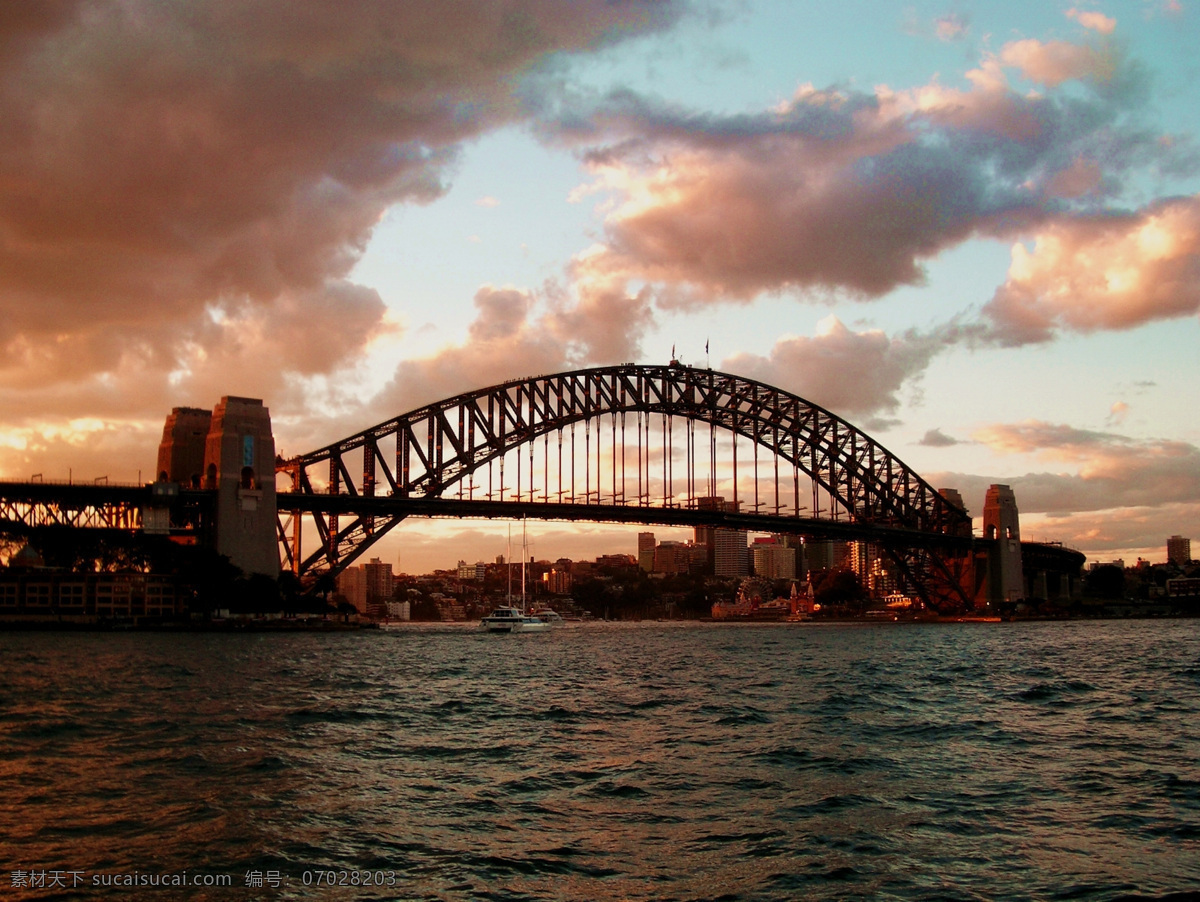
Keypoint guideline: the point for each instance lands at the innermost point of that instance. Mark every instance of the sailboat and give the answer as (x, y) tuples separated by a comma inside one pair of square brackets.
[(510, 619)]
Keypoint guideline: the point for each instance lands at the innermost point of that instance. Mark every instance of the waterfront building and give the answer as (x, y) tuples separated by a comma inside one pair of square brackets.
[(45, 594), (1184, 588)]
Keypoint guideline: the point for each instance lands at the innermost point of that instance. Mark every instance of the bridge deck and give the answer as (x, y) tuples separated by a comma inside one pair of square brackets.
[(304, 503)]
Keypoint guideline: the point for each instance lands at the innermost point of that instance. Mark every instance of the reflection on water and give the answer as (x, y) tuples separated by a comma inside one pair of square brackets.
[(613, 761)]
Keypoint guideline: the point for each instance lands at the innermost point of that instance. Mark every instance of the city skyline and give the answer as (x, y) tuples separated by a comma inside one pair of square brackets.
[(972, 232)]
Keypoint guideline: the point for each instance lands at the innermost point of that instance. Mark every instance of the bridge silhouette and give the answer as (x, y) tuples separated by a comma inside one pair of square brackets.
[(664, 445), (671, 445)]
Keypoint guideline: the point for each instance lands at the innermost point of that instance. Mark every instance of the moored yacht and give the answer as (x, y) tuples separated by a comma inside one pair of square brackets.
[(509, 619), (512, 620)]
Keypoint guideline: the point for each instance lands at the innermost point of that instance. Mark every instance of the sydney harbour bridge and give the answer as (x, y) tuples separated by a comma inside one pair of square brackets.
[(671, 445)]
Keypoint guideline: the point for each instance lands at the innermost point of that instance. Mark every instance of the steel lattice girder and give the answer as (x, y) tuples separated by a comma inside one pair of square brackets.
[(39, 505), (27, 515)]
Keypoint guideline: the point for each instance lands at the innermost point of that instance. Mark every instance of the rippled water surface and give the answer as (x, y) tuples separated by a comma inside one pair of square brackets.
[(652, 761)]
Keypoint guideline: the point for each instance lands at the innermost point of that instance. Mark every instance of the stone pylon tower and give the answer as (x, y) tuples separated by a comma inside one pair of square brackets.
[(239, 462), (181, 452), (1006, 581)]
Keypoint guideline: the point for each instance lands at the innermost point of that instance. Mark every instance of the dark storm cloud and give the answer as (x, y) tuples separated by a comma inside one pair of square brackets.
[(179, 179)]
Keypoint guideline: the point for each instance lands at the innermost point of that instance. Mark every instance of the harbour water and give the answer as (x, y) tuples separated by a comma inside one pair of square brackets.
[(608, 761)]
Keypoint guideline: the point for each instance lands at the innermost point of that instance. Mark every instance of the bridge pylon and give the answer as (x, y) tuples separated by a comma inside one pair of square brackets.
[(230, 451)]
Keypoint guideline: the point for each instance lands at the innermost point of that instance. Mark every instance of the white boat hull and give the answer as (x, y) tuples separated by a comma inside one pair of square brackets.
[(511, 620)]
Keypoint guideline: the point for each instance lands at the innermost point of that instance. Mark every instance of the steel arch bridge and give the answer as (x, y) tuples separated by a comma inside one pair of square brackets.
[(641, 459), (442, 459)]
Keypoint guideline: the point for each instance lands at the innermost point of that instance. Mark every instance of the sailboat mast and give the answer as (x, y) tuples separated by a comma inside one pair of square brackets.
[(524, 559)]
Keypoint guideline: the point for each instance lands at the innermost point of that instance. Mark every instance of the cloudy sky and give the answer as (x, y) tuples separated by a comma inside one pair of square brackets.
[(972, 229)]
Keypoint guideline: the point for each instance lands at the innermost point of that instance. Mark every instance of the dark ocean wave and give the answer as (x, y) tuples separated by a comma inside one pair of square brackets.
[(1026, 761)]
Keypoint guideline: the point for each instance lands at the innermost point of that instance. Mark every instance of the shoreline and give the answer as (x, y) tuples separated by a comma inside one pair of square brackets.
[(331, 626)]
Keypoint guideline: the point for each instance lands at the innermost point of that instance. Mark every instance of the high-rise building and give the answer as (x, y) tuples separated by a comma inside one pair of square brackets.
[(557, 581), (773, 559), (704, 534), (352, 585), (672, 557), (646, 551), (1179, 550), (819, 554), (380, 586), (730, 553), (882, 579), (859, 558)]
